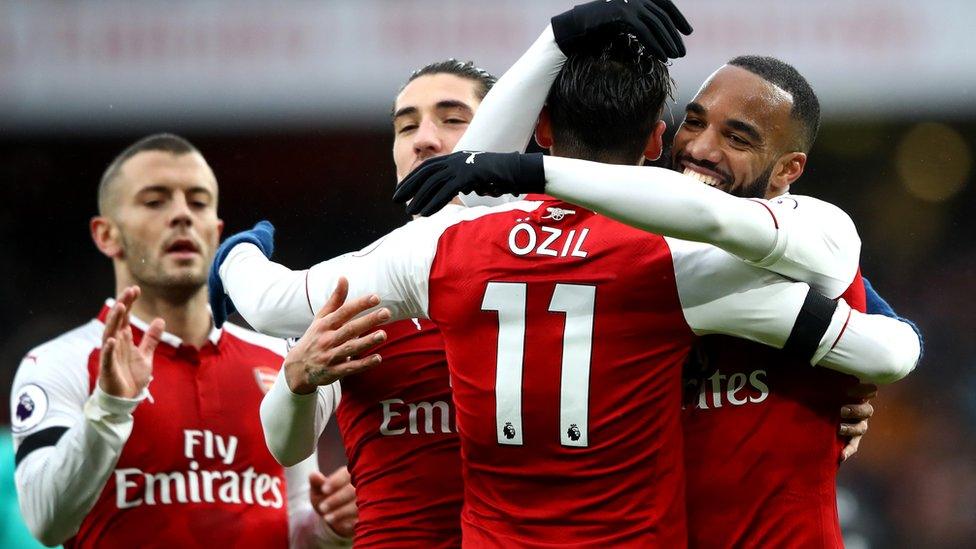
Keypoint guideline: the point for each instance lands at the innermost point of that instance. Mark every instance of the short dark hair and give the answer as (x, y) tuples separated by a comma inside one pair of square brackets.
[(806, 106), (605, 102), (166, 142), (463, 69)]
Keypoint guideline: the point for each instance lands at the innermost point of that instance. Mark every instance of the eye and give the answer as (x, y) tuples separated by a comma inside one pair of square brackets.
[(456, 121), (738, 141), (407, 128), (693, 123), (154, 203)]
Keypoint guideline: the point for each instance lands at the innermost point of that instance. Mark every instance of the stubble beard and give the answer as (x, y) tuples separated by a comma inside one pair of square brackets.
[(149, 273), (756, 188)]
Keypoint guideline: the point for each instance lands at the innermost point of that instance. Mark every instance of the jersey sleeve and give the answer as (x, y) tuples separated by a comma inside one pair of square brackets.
[(281, 302), (818, 243), (722, 295), (507, 116), (67, 443), (278, 301), (396, 267), (270, 296), (799, 237), (292, 423)]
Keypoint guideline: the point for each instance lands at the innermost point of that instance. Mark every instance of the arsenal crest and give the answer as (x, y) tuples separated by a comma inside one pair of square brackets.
[(265, 378)]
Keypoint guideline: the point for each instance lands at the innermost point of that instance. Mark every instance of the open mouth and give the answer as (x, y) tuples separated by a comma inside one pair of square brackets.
[(708, 179), (182, 247)]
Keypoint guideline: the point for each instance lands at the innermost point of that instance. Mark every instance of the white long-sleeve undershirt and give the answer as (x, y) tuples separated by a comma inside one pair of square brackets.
[(507, 116), (804, 239), (62, 482)]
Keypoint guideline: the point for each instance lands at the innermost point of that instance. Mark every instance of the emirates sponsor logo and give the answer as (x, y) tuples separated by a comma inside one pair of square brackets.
[(135, 487), (400, 418), (738, 389)]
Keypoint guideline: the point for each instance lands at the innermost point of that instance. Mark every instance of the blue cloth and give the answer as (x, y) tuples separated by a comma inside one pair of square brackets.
[(262, 236), (876, 305)]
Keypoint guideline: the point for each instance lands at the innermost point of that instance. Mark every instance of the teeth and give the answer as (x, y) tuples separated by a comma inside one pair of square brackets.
[(706, 179)]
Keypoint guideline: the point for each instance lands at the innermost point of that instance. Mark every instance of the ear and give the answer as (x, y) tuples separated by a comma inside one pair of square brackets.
[(788, 169), (105, 236), (655, 143), (543, 129), (220, 228)]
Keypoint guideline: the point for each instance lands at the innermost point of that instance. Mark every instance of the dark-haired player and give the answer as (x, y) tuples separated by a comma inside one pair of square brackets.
[(396, 422)]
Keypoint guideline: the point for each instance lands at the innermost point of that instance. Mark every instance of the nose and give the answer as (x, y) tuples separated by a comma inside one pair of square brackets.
[(704, 146), (180, 213), (427, 140)]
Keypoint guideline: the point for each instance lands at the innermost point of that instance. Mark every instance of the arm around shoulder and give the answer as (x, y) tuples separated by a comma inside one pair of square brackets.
[(875, 348)]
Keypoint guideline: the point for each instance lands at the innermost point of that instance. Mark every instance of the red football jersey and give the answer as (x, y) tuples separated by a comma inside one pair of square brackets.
[(397, 424), (195, 470), (565, 335), (761, 445), (592, 459)]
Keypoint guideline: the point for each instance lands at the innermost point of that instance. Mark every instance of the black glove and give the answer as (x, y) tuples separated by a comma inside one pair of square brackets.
[(438, 180), (655, 23)]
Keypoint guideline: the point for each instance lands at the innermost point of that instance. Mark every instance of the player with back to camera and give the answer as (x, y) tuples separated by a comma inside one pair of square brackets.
[(397, 422)]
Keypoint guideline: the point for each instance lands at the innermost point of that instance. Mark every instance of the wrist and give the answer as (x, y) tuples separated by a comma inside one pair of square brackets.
[(296, 378), (101, 404), (108, 389), (532, 173)]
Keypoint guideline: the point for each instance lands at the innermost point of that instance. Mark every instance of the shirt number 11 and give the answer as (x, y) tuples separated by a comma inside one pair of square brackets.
[(577, 302)]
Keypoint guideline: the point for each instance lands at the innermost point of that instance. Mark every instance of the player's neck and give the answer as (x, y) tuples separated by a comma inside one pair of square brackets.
[(186, 317)]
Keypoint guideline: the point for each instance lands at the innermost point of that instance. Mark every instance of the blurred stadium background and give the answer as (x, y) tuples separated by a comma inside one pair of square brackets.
[(290, 103)]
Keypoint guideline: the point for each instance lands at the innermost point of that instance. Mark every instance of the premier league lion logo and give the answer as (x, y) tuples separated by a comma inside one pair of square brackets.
[(25, 407), (573, 432), (509, 430)]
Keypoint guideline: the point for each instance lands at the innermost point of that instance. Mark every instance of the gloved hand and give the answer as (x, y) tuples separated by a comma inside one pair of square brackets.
[(657, 24), (438, 180), (262, 236)]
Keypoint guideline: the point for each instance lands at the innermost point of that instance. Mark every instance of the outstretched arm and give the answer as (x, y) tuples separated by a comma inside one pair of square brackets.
[(720, 294), (820, 248), (803, 238), (279, 301), (507, 116)]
